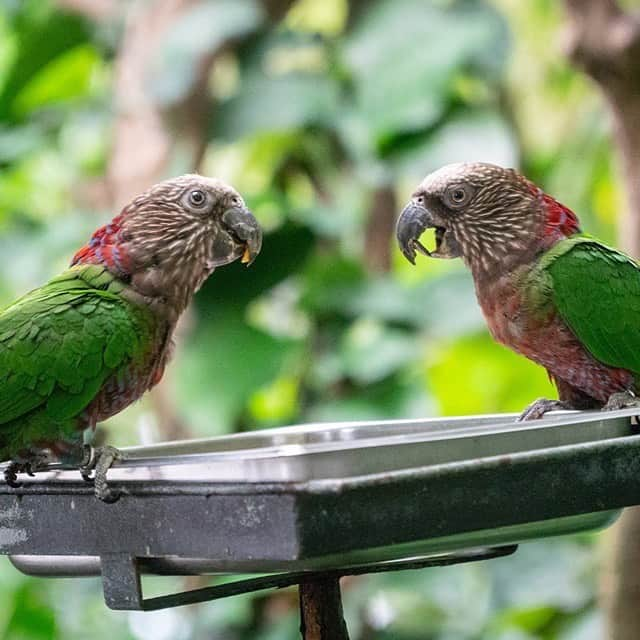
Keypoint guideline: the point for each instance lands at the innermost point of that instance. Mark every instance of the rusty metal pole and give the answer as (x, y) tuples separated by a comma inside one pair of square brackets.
[(321, 616)]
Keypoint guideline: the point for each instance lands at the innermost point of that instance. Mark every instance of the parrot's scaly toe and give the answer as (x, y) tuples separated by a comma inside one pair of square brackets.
[(30, 464), (622, 400), (100, 461), (539, 407)]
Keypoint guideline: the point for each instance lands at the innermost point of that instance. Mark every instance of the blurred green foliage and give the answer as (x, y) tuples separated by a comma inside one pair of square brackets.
[(314, 117)]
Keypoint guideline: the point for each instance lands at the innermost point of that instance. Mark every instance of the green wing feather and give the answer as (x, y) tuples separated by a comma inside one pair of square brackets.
[(596, 291), (59, 344)]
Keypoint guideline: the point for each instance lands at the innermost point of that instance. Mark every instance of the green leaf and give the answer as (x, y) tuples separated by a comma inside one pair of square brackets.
[(66, 77), (448, 305), (199, 31), (32, 618), (590, 626), (284, 251), (371, 352), (18, 141), (443, 306), (530, 618), (560, 575), (277, 103), (39, 42), (277, 402), (329, 283), (388, 399), (473, 135), (475, 375), (403, 56), (439, 603), (215, 390)]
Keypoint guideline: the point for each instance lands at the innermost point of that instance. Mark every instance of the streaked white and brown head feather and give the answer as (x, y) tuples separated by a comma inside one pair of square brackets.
[(491, 215), (169, 239)]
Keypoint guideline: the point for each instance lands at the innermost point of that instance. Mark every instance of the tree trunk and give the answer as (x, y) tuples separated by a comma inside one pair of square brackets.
[(379, 230), (604, 41)]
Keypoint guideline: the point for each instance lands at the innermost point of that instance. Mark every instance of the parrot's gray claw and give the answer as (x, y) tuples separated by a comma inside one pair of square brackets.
[(30, 463), (621, 400), (99, 461), (539, 407), (11, 475)]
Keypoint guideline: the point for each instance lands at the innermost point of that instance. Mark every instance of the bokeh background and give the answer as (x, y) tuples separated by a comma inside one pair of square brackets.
[(324, 114)]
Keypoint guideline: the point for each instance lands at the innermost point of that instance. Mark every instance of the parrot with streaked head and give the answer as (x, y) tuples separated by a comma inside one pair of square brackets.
[(548, 291), (92, 340)]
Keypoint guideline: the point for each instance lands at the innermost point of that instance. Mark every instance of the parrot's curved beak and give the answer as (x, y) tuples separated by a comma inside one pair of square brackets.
[(245, 233), (412, 223)]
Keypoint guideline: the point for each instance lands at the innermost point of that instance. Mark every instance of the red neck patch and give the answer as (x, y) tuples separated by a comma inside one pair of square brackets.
[(105, 248), (560, 221)]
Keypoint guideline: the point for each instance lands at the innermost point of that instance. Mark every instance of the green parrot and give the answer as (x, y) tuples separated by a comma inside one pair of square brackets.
[(549, 292), (92, 340)]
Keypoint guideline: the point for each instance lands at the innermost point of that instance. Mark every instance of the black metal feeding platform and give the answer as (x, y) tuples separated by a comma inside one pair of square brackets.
[(308, 504)]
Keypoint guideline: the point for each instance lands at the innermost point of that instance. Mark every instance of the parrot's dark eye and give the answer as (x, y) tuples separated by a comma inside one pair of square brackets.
[(457, 196), (197, 198)]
